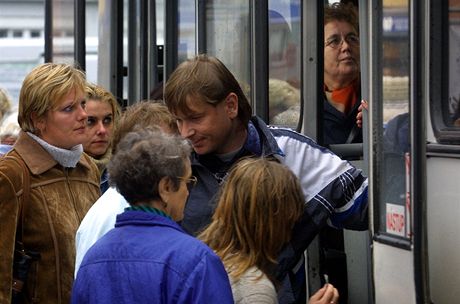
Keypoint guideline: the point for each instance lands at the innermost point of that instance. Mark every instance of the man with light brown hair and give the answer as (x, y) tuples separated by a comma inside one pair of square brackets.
[(214, 115)]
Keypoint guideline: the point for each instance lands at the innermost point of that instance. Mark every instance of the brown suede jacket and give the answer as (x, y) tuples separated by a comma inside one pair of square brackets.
[(59, 199)]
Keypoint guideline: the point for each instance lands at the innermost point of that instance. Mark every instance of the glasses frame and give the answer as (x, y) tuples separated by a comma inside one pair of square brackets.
[(190, 182), (351, 38)]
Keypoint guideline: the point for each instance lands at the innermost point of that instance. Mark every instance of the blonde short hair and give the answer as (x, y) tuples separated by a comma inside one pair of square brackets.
[(44, 87)]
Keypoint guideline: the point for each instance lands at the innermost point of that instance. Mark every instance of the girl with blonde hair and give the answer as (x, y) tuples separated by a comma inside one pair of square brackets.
[(256, 211)]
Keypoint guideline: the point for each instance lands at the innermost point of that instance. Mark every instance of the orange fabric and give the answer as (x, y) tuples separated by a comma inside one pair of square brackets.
[(346, 95)]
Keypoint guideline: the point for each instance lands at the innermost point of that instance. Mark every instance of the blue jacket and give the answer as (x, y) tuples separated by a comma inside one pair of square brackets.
[(104, 181), (147, 258), (335, 191)]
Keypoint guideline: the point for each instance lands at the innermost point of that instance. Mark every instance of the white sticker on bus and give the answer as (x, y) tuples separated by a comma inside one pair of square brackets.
[(396, 220)]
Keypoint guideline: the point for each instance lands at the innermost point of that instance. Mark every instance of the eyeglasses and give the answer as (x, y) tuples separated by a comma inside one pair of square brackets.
[(336, 41), (191, 181)]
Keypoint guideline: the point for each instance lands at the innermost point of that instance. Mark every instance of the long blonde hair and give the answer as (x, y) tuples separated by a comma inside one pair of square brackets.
[(256, 211)]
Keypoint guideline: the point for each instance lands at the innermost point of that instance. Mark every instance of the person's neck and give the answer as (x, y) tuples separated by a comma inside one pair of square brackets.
[(335, 84), (238, 139)]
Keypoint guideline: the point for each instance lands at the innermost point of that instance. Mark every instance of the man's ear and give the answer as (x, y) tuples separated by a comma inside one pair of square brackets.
[(231, 104)]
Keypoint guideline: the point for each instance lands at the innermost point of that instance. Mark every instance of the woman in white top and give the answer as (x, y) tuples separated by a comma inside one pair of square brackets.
[(258, 206)]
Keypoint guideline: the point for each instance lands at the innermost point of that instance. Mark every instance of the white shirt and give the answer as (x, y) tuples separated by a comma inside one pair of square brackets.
[(253, 287), (97, 222)]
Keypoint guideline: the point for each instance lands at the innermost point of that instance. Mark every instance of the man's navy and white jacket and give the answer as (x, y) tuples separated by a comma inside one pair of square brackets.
[(335, 191)]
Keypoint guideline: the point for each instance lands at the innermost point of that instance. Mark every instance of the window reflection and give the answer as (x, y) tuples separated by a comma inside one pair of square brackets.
[(186, 29), (284, 63), (227, 36), (63, 29)]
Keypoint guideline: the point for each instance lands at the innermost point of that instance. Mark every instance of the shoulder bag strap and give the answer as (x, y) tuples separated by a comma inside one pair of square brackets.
[(24, 197)]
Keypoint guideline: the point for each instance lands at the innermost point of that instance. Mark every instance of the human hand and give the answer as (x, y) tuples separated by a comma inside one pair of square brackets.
[(328, 294), (359, 117)]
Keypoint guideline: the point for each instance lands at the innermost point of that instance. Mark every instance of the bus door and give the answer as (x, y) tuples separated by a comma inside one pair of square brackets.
[(397, 142)]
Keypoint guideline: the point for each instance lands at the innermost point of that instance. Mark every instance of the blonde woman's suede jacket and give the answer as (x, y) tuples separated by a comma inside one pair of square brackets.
[(59, 199)]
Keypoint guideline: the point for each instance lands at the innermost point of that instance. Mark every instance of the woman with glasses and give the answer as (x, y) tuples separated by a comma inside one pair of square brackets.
[(147, 257), (341, 74)]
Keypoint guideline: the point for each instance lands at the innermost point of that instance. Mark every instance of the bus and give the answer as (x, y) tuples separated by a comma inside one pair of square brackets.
[(409, 76)]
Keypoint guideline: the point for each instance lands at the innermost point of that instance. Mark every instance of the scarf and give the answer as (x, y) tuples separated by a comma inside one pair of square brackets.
[(102, 161), (66, 158), (347, 96)]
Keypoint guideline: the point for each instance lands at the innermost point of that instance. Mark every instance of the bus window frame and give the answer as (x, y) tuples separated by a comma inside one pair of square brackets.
[(439, 80), (376, 131)]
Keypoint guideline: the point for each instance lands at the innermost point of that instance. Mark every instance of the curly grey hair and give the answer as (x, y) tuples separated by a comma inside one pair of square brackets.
[(142, 159)]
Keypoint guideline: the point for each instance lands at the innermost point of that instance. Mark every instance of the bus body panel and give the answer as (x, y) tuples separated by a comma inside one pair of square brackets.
[(393, 275), (443, 223)]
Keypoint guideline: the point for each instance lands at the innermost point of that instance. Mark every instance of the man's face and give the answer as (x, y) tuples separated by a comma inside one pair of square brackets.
[(210, 128), (341, 53)]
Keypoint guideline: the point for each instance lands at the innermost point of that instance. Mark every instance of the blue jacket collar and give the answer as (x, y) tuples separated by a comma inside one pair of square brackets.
[(262, 135), (259, 141), (137, 218)]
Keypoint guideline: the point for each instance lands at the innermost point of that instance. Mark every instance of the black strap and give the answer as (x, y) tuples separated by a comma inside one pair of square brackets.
[(352, 134)]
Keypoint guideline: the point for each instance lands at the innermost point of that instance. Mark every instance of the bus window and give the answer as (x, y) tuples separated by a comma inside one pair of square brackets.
[(227, 37), (445, 63), (394, 210), (186, 29), (284, 63), (452, 108)]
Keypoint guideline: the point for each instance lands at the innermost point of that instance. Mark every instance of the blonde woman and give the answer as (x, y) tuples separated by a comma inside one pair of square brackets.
[(103, 115), (256, 211), (48, 163)]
